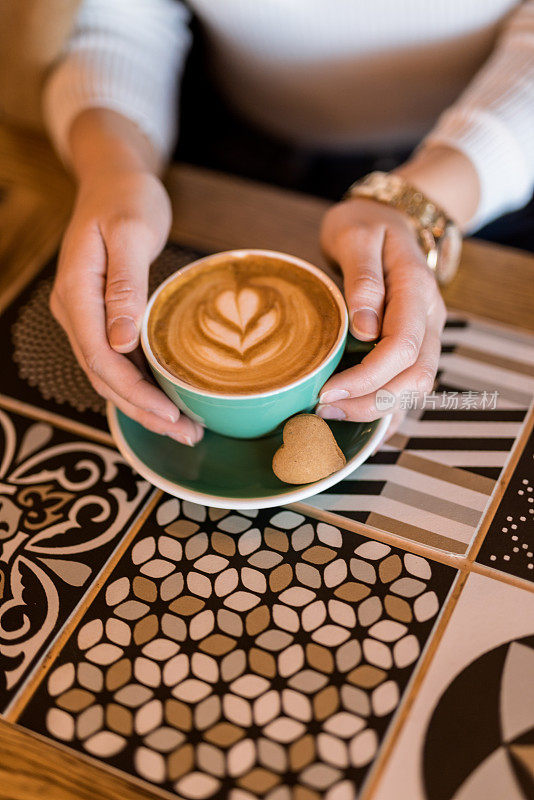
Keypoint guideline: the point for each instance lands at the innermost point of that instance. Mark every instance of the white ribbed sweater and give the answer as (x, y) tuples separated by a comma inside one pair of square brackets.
[(334, 74)]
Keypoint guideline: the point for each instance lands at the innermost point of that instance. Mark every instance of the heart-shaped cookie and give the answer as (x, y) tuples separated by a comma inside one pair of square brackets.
[(309, 452)]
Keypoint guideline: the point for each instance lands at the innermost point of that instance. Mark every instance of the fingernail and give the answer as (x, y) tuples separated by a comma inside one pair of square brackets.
[(330, 412), (365, 323), (122, 332), (334, 394), (182, 438), (169, 416)]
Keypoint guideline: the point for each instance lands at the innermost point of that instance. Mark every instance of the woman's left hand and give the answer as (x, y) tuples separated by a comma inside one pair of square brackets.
[(391, 296)]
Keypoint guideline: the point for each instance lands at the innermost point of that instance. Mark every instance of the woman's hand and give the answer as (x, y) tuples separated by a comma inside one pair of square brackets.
[(119, 225), (392, 295)]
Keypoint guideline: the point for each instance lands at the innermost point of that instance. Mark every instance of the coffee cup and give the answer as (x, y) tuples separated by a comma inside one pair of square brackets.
[(287, 319)]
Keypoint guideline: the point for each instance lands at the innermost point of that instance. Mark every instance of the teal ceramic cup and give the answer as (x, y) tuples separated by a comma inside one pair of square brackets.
[(248, 416)]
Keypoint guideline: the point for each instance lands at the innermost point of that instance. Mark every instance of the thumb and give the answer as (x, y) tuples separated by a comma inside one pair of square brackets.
[(129, 253)]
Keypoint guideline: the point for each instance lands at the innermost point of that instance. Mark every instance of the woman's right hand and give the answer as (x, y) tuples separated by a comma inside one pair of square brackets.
[(119, 225)]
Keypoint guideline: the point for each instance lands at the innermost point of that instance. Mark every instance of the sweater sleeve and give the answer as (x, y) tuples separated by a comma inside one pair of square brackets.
[(126, 56), (492, 122)]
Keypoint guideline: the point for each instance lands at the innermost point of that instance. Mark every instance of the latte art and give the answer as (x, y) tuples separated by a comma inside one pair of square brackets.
[(239, 319), (245, 325)]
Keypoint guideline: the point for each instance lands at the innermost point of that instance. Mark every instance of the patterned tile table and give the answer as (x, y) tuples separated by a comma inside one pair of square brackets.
[(376, 641), (253, 652)]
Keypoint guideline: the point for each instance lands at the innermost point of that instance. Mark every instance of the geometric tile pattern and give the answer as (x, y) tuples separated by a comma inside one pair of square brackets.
[(432, 482), (249, 652), (470, 731), (509, 543), (64, 504)]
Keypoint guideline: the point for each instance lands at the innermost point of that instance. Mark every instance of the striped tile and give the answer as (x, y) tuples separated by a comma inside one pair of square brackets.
[(433, 481)]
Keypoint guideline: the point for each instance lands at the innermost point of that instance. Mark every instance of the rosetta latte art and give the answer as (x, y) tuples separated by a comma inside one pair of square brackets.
[(247, 325)]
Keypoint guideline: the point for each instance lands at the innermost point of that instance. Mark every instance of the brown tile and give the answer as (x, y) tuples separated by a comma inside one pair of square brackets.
[(416, 534), (180, 761), (146, 629), (366, 676), (390, 568), (178, 715), (326, 702), (223, 543), (257, 620), (259, 780), (303, 793), (75, 700), (119, 719), (118, 674), (352, 592), (494, 359), (302, 753), (318, 554), (398, 441), (460, 477), (144, 589), (262, 663), (187, 605), (398, 609), (224, 734), (280, 577), (319, 658), (217, 644), (276, 540), (182, 528)]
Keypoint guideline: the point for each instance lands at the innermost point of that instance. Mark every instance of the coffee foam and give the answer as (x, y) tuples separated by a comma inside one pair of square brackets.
[(245, 325)]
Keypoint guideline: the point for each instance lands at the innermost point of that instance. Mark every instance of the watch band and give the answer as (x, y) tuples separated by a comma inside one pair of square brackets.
[(438, 235)]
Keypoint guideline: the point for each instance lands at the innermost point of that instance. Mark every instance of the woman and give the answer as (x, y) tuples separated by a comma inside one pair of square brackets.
[(341, 77)]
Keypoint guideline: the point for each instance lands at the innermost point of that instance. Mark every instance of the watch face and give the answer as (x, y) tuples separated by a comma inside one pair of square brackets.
[(449, 250)]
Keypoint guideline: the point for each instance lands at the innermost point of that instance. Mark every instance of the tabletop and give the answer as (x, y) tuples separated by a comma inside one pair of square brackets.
[(214, 212)]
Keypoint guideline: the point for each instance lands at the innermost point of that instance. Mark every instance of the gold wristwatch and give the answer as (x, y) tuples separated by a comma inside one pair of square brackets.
[(438, 235)]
